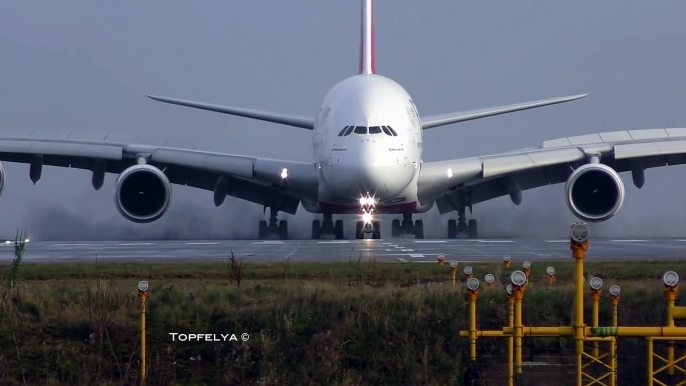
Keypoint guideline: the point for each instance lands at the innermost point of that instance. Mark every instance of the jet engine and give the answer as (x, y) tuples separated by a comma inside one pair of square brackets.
[(594, 192), (2, 178), (142, 193)]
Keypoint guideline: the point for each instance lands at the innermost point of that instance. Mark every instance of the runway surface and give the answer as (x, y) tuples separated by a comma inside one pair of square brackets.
[(395, 250)]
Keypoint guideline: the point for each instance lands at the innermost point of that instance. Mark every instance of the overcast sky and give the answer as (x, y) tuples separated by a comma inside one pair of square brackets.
[(87, 66)]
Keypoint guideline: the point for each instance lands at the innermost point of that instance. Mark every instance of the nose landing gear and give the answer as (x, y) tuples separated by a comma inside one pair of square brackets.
[(363, 228)]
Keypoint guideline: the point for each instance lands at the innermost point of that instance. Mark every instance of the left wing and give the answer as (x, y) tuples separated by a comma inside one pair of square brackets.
[(473, 180), (447, 119), (254, 179)]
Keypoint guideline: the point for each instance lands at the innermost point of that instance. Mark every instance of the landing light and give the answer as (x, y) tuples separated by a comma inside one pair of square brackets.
[(8, 242), (450, 172), (366, 217), (284, 173), (26, 241)]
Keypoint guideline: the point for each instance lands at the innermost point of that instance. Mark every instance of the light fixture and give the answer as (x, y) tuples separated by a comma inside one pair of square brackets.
[(671, 279), (596, 283), (453, 264), (489, 278), (527, 265), (615, 290), (143, 285), (450, 172), (518, 278), (550, 271), (580, 232), (467, 270), (473, 284), (509, 289), (284, 173), (506, 258), (441, 256)]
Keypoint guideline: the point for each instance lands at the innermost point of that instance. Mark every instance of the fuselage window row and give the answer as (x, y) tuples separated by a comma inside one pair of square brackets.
[(367, 130)]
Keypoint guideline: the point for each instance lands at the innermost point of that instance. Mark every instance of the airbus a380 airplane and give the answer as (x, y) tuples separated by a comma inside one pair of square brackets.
[(368, 142)]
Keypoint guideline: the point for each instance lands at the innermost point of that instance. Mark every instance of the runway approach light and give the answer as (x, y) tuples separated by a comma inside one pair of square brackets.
[(26, 240), (596, 283), (450, 172), (143, 286), (550, 271), (507, 260), (468, 271), (453, 264), (518, 278), (527, 265), (615, 290), (473, 284), (671, 279), (509, 289), (489, 278), (284, 173), (580, 232), (8, 242)]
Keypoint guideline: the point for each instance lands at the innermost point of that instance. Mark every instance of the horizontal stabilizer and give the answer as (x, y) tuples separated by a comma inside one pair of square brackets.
[(447, 119), (289, 120)]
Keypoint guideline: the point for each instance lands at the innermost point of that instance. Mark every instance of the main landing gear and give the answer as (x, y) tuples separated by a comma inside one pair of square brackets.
[(460, 226), (327, 227), (363, 228), (274, 228), (407, 227)]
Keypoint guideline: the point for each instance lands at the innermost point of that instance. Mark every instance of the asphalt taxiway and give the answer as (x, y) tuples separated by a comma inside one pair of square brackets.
[(393, 250)]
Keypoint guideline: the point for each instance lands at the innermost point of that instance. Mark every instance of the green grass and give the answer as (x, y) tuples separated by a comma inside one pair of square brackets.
[(310, 323)]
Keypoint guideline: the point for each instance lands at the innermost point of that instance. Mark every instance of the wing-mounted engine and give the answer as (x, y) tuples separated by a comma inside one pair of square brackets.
[(142, 193), (594, 192)]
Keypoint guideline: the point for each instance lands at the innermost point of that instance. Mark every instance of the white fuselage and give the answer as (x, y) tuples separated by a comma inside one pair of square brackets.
[(380, 156)]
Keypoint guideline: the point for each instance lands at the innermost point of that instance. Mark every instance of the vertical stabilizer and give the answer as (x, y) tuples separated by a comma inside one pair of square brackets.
[(367, 49)]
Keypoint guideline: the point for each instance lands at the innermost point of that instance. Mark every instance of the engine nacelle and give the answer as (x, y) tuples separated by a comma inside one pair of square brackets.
[(594, 192), (142, 193), (3, 176)]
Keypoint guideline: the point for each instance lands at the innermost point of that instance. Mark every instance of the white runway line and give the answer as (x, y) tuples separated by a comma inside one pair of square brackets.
[(267, 242), (130, 244), (557, 241), (407, 250), (416, 255), (496, 241), (208, 243), (629, 241), (430, 241), (70, 245), (334, 242)]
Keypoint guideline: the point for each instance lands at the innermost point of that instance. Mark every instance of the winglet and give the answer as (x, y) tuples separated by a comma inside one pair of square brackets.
[(367, 47)]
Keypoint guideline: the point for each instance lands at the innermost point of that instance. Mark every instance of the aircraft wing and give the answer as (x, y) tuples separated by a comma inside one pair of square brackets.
[(254, 179), (447, 119), (480, 179)]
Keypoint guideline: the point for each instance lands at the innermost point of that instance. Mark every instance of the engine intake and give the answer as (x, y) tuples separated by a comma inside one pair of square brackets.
[(594, 192), (142, 193)]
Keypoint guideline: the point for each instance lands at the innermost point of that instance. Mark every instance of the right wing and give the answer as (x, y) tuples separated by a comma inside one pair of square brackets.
[(450, 118), (288, 120), (257, 180)]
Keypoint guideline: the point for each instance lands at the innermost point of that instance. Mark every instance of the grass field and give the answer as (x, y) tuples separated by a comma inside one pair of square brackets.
[(356, 323)]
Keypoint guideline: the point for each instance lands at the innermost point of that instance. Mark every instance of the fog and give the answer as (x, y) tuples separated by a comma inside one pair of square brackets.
[(87, 66)]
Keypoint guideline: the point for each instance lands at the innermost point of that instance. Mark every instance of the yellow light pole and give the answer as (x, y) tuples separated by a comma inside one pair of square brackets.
[(518, 279), (579, 246), (507, 261), (615, 290), (510, 339), (142, 295), (671, 280), (473, 287), (527, 272), (550, 272), (453, 271), (596, 285)]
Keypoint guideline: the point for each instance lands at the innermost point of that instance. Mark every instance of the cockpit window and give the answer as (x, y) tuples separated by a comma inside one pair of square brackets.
[(350, 130), (361, 130), (375, 130), (385, 130), (392, 131), (343, 131)]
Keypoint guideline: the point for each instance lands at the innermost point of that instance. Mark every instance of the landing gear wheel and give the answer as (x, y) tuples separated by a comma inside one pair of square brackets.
[(316, 230), (419, 229), (263, 230), (395, 228), (452, 229), (338, 230), (471, 229), (359, 226), (376, 234), (283, 230)]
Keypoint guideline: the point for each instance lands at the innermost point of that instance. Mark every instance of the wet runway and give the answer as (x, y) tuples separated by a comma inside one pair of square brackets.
[(393, 250)]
